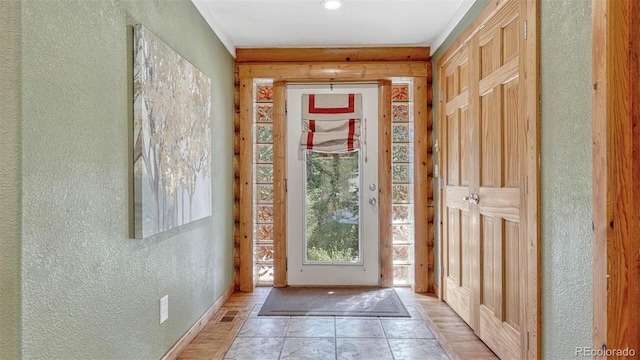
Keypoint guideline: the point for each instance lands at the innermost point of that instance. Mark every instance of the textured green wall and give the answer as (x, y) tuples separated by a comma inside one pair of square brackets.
[(565, 169), (89, 291), (10, 187), (467, 19)]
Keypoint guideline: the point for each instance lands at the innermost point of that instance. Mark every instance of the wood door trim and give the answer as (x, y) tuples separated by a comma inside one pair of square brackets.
[(320, 72), (385, 250), (279, 184), (246, 185), (530, 62), (423, 168), (601, 215), (616, 111)]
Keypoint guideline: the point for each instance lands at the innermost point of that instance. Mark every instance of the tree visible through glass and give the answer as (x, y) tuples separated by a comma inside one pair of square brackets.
[(332, 196)]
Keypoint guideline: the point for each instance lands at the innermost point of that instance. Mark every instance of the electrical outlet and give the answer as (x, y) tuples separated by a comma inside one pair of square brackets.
[(164, 309)]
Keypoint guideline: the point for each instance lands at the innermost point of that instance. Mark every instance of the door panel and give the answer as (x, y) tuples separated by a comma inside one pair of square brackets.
[(490, 131), (453, 149), (455, 229), (464, 146), (512, 273), (512, 172), (483, 155), (466, 250)]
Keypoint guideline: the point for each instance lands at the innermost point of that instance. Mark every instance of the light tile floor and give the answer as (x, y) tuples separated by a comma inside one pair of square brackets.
[(313, 337)]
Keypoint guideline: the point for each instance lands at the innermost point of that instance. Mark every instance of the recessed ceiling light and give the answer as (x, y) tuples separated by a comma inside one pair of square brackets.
[(332, 4)]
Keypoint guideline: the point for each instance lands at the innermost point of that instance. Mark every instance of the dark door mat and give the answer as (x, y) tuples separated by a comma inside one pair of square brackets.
[(302, 301)]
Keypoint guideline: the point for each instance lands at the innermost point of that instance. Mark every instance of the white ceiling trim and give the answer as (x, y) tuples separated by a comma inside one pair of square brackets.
[(217, 29), (455, 19)]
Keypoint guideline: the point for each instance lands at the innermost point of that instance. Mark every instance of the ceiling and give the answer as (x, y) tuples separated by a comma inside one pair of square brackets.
[(305, 23)]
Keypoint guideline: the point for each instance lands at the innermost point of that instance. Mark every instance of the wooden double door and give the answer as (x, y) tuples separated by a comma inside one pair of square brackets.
[(484, 187)]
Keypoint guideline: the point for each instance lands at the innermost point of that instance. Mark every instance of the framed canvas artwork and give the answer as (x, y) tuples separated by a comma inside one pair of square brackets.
[(171, 137)]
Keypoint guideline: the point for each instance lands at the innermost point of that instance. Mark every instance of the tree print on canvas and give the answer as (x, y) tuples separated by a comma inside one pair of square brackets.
[(171, 139)]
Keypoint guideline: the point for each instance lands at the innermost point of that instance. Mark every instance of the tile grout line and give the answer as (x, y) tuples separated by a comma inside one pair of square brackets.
[(284, 339), (335, 338), (386, 338)]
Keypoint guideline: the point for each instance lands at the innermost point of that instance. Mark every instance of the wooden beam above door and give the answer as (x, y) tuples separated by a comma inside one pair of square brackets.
[(335, 71), (339, 54)]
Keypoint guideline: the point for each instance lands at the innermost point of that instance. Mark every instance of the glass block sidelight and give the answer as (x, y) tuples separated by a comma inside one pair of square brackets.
[(401, 214), (400, 193), (265, 253), (264, 113), (263, 182), (264, 92), (402, 180), (400, 173), (400, 91), (400, 153), (402, 253), (265, 153), (400, 133), (264, 173), (264, 133), (400, 112), (402, 233), (264, 272), (401, 274), (264, 214), (265, 193), (265, 232)]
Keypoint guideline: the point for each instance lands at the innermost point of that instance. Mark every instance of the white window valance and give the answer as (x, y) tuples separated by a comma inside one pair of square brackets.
[(331, 123)]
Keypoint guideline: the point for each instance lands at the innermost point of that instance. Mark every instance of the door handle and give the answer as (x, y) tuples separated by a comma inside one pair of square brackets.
[(373, 201), (471, 198)]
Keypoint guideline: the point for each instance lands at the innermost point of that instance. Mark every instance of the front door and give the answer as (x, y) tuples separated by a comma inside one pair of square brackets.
[(332, 210)]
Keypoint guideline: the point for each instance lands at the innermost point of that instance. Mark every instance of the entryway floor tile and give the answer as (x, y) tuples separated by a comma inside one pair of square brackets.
[(363, 349), (417, 349), (406, 329), (309, 349), (264, 328), (311, 327), (359, 328), (255, 348)]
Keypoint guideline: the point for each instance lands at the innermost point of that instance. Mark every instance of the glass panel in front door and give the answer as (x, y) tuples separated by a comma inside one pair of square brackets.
[(332, 207)]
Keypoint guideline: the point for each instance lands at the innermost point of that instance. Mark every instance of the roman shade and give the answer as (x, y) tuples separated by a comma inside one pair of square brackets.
[(331, 123)]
